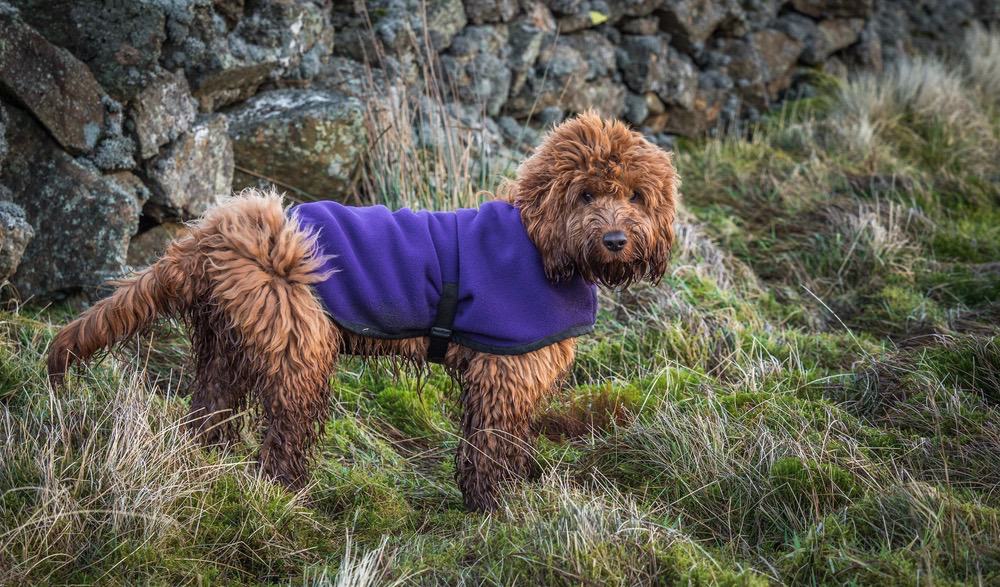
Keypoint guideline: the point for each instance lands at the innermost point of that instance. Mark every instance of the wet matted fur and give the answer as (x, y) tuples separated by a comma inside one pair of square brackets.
[(242, 280)]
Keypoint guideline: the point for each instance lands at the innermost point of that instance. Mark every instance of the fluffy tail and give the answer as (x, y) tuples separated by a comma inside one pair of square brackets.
[(136, 304)]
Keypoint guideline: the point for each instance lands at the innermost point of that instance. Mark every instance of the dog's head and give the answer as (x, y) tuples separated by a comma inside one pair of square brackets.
[(598, 200)]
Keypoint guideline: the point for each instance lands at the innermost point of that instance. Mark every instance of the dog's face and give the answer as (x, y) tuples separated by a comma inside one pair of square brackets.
[(598, 200)]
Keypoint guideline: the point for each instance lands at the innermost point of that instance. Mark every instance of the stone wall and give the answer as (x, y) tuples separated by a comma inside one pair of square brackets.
[(120, 120)]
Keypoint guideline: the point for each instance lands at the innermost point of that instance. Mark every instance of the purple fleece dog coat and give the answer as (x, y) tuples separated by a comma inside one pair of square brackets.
[(391, 269)]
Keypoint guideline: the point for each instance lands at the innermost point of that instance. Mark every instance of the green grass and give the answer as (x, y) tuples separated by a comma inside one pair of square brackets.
[(811, 396)]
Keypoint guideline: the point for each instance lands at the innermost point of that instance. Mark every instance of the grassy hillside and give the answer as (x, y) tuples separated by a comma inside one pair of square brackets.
[(812, 396)]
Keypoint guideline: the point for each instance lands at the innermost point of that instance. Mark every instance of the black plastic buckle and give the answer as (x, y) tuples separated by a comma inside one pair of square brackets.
[(440, 333)]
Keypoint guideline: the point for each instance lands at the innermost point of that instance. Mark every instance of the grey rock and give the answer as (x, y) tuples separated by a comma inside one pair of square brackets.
[(445, 19), (648, 25), (3, 135), (307, 140), (597, 51), (347, 76), (564, 7), (778, 52), (120, 42), (690, 22), (563, 77), (147, 247), (590, 14), (227, 61), (55, 86), (636, 108), (550, 116), (832, 36), (820, 40), (926, 26), (475, 67), (483, 11), (83, 220), (526, 36), (754, 14), (517, 134), (15, 234), (163, 111), (798, 26), (114, 153), (192, 173), (649, 64), (637, 8), (761, 64), (559, 67), (834, 8), (601, 95), (397, 27), (663, 140), (867, 52)]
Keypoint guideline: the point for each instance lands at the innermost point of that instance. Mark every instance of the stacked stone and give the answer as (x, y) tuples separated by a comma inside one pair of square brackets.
[(121, 120)]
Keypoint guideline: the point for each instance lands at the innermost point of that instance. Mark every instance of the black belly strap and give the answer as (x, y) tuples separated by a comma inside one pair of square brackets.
[(441, 331)]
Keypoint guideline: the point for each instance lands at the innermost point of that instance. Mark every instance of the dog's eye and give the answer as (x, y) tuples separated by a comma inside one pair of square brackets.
[(587, 197), (636, 197)]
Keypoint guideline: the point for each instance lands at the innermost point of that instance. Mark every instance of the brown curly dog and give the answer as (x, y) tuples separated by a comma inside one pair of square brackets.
[(596, 200)]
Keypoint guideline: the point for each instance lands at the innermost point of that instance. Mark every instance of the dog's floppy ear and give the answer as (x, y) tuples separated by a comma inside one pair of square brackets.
[(537, 195), (662, 213)]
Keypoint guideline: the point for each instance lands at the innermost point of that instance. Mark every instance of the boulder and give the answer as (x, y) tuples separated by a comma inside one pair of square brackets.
[(55, 86), (926, 26), (834, 8), (15, 234), (778, 52), (645, 25), (560, 68), (760, 64), (601, 95), (3, 135), (397, 27), (475, 67), (483, 11), (445, 19), (526, 36), (832, 36), (649, 64), (121, 42), (228, 50), (564, 7), (82, 219), (192, 173), (636, 108), (755, 14), (307, 140), (162, 111), (820, 40), (147, 247), (867, 52), (597, 51), (690, 22)]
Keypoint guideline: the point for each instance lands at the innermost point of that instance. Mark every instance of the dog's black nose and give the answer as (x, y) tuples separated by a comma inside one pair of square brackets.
[(615, 241)]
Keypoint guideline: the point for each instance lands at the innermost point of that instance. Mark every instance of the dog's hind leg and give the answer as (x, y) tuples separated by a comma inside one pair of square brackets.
[(500, 395), (262, 267), (220, 387), (297, 359)]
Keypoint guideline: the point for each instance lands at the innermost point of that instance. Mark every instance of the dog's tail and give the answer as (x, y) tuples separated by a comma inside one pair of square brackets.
[(134, 305)]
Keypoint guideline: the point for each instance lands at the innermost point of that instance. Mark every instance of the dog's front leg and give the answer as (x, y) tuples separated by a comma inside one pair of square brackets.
[(500, 395)]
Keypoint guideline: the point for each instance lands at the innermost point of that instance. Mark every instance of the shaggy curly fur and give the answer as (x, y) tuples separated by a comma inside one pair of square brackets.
[(242, 280)]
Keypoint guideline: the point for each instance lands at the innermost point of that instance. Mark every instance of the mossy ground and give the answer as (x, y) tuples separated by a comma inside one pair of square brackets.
[(811, 396)]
